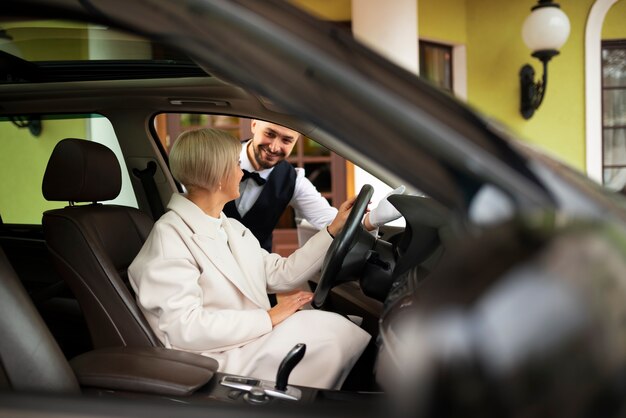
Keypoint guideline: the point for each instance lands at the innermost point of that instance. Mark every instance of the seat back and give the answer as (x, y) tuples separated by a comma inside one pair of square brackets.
[(30, 359), (93, 244)]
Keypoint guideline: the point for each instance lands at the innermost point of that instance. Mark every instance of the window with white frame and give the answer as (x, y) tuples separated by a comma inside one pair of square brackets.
[(614, 114)]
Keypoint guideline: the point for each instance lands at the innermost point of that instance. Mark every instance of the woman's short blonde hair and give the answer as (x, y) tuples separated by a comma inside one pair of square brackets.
[(204, 157)]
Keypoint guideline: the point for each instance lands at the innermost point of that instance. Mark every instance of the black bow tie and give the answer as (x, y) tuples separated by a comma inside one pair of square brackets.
[(254, 176)]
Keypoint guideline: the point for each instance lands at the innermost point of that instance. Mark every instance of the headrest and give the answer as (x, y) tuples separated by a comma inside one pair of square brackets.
[(81, 171)]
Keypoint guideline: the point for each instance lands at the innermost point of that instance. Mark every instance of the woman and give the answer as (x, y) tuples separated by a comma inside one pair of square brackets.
[(202, 279)]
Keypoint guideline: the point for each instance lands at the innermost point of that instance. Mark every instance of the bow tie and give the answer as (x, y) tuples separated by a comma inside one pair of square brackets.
[(254, 176)]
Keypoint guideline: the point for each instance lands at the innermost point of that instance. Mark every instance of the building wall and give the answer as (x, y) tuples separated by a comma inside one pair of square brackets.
[(496, 53), (443, 20), (615, 23), (491, 30), (23, 158), (340, 10)]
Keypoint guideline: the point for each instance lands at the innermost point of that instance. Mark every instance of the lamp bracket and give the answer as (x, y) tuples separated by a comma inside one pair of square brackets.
[(545, 3), (532, 92)]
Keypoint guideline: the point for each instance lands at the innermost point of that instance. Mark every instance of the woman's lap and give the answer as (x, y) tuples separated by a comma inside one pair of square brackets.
[(333, 346)]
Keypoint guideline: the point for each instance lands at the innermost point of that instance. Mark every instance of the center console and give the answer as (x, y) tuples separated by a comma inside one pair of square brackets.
[(185, 377)]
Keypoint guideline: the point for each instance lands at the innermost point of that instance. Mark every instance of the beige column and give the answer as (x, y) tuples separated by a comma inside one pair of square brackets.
[(389, 28)]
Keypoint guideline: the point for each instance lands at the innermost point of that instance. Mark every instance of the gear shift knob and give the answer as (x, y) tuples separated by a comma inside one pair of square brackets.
[(290, 361)]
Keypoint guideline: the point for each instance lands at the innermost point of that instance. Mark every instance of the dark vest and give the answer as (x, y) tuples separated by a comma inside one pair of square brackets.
[(263, 216)]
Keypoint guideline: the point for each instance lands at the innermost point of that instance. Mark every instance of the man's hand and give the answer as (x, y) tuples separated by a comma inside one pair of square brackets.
[(384, 212)]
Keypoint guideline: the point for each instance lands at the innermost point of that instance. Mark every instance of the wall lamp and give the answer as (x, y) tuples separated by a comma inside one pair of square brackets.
[(544, 31)]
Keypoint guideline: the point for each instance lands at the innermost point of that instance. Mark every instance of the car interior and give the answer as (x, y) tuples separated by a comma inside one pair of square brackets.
[(88, 114), (89, 164)]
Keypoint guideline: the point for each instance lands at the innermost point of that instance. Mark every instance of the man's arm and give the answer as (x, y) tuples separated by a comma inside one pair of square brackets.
[(310, 204), (313, 207)]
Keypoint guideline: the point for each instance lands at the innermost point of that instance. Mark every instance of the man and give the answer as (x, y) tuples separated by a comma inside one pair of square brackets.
[(270, 184)]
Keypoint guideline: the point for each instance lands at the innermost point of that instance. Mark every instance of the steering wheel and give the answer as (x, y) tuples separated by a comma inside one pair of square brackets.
[(340, 247)]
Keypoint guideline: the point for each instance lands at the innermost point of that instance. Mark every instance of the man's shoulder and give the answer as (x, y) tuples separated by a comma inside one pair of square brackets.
[(285, 165), (300, 173)]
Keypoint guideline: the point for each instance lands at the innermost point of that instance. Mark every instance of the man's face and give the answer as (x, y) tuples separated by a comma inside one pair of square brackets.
[(271, 143)]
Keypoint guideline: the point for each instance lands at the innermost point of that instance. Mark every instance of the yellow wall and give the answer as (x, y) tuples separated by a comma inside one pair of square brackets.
[(327, 9), (23, 158), (491, 30), (496, 53), (442, 20), (615, 23)]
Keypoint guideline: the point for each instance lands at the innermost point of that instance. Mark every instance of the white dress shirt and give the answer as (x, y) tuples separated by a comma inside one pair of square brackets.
[(308, 203)]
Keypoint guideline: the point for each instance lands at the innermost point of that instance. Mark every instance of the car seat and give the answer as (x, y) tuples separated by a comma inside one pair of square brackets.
[(93, 244), (30, 359)]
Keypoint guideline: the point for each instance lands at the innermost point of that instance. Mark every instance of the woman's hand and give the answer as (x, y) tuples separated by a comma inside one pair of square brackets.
[(342, 215), (288, 305)]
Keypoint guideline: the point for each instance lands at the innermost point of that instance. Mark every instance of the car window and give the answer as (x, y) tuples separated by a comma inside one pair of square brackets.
[(170, 125), (325, 169), (26, 143)]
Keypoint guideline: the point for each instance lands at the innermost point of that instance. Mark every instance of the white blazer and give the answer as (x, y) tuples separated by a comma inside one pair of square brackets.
[(204, 295)]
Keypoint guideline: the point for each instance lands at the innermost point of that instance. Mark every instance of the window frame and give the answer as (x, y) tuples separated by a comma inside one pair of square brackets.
[(609, 44)]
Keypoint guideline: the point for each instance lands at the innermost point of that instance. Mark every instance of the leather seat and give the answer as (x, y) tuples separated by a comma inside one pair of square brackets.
[(93, 244), (30, 359)]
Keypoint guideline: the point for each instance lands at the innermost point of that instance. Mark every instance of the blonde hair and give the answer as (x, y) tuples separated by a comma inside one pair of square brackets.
[(204, 157)]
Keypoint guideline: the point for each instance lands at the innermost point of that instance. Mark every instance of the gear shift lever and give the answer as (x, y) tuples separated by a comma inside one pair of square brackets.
[(290, 361)]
